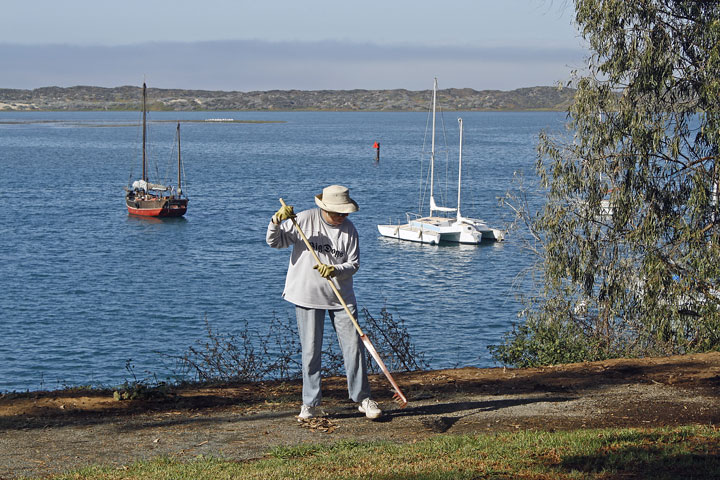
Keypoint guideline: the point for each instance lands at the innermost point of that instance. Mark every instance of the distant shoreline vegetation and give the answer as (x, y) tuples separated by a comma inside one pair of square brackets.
[(86, 98)]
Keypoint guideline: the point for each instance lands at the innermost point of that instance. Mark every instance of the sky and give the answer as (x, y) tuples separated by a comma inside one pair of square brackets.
[(249, 45)]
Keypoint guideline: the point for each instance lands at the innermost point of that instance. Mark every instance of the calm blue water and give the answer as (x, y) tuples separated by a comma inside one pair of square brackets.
[(84, 287)]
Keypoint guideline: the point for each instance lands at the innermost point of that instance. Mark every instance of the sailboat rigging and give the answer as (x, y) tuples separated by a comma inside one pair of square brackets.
[(154, 199), (434, 229)]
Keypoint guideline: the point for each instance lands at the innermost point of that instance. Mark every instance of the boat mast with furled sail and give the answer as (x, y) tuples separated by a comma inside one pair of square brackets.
[(153, 199)]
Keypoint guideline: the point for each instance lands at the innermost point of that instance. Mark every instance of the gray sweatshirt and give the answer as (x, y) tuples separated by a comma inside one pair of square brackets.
[(335, 245)]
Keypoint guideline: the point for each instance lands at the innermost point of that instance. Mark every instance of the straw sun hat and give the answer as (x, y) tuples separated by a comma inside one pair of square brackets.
[(336, 199)]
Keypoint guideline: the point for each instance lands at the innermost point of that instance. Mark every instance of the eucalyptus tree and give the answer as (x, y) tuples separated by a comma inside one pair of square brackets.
[(630, 231)]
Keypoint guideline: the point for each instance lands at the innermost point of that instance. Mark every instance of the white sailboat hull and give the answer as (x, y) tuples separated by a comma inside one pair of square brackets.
[(433, 230), (488, 233), (409, 233)]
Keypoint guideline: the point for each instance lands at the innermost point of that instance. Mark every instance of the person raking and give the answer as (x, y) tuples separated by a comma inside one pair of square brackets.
[(335, 241)]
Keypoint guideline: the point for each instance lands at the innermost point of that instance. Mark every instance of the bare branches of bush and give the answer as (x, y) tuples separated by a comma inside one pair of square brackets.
[(252, 355), (242, 356), (392, 341)]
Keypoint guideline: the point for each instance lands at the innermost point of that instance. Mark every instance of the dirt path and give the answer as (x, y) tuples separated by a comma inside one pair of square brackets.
[(49, 432)]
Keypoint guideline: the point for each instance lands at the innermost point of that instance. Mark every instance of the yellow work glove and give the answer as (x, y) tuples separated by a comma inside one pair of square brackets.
[(283, 214), (326, 271)]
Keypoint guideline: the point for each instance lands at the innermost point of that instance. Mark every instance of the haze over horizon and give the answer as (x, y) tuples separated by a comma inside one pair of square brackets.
[(285, 45)]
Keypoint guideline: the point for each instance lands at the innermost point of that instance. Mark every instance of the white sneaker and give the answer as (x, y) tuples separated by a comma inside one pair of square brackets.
[(370, 408), (306, 412)]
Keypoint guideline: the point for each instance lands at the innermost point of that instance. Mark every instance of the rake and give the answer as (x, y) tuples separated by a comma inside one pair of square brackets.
[(398, 395)]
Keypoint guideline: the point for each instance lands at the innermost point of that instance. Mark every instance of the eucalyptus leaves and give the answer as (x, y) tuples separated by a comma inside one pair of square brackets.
[(629, 233)]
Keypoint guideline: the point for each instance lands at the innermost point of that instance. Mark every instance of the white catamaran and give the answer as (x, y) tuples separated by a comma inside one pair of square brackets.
[(435, 229)]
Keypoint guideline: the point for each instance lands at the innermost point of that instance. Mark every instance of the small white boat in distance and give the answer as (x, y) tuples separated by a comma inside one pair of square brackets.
[(435, 229)]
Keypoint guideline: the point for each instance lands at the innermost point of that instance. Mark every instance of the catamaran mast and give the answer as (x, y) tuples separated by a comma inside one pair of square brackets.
[(432, 148), (144, 175), (460, 168)]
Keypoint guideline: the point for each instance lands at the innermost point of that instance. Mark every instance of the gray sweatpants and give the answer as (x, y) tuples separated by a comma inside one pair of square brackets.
[(311, 323)]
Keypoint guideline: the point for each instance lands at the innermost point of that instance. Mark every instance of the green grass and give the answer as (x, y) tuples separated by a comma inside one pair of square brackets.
[(663, 453)]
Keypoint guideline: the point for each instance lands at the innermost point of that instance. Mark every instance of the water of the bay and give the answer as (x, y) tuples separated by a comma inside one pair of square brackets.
[(85, 288)]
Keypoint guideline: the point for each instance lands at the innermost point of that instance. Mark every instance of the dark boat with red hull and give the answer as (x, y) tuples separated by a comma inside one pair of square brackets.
[(151, 199), (155, 206)]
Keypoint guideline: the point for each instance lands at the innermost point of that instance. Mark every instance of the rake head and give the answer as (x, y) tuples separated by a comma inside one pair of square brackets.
[(400, 399)]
